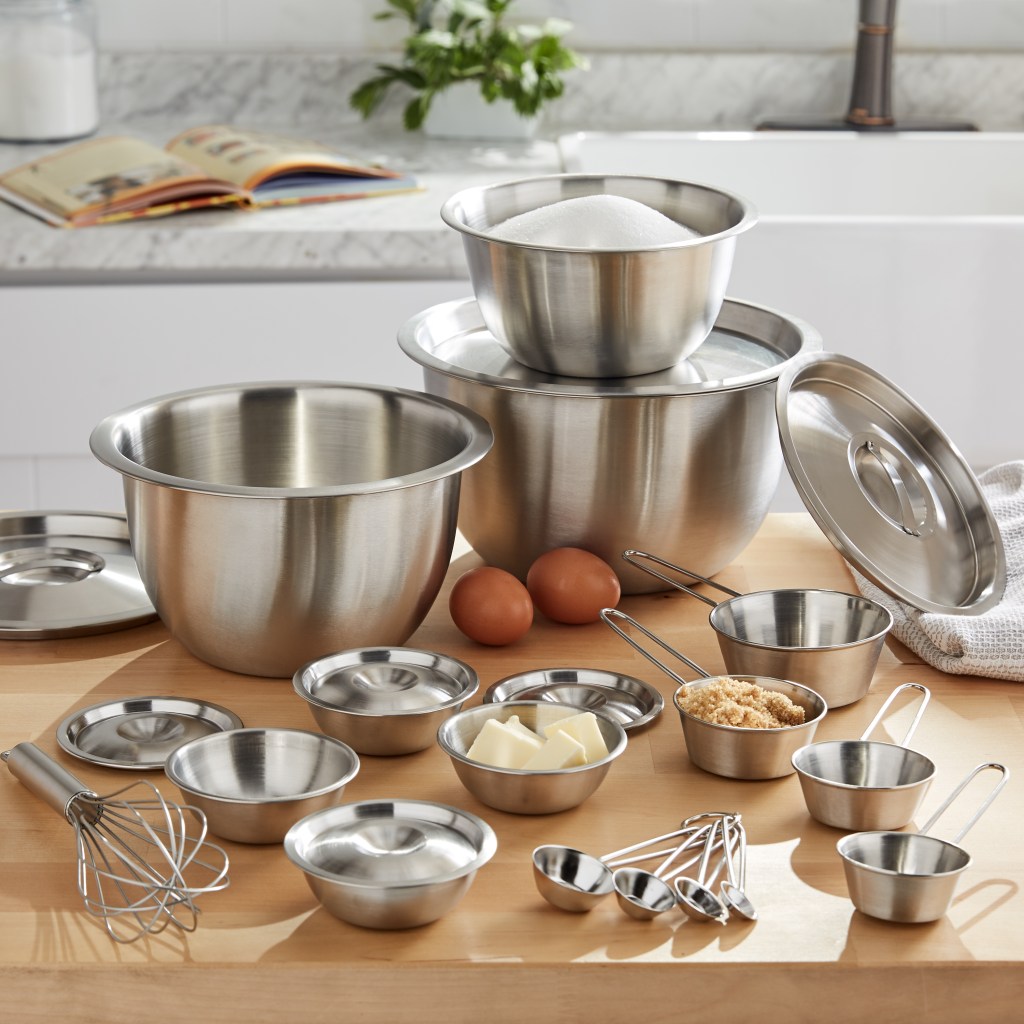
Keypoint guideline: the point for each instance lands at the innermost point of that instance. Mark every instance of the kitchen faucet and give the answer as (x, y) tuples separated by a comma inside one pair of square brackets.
[(871, 94)]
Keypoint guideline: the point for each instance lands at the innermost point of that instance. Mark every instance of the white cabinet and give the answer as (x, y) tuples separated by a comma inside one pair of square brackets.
[(77, 353)]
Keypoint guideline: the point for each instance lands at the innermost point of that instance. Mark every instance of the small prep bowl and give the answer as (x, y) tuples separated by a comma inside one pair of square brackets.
[(739, 753), (385, 700), (390, 863), (584, 312), (254, 784), (515, 790)]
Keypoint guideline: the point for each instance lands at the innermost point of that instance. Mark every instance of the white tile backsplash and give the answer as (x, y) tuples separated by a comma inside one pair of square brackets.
[(599, 25)]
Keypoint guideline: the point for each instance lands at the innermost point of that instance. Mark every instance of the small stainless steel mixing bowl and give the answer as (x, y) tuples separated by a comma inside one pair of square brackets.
[(254, 784), (390, 863), (583, 312), (515, 790), (385, 700), (277, 522)]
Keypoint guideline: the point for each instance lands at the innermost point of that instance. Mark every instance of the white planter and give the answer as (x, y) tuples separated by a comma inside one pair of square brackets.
[(460, 112)]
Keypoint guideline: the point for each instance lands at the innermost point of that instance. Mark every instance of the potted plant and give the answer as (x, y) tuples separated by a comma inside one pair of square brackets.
[(456, 47)]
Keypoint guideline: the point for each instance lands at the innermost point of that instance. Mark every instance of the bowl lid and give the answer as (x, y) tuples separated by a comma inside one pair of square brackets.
[(888, 487), (386, 680), (68, 574), (140, 732), (631, 702), (748, 345)]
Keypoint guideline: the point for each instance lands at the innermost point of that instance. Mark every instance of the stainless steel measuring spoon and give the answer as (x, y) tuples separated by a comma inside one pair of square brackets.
[(733, 889), (698, 901)]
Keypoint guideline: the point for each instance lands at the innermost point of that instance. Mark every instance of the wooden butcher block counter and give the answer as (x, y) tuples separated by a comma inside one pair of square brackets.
[(265, 951)]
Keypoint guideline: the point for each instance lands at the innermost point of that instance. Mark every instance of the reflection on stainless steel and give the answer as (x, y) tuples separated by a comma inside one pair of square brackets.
[(825, 639), (390, 863), (600, 313), (385, 700), (866, 784), (139, 732), (275, 523), (254, 784), (686, 461), (888, 488)]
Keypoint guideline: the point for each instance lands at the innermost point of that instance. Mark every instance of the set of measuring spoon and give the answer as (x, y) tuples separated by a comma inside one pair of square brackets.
[(713, 842)]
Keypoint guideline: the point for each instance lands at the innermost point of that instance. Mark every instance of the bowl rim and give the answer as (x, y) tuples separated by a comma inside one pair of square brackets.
[(748, 219), (104, 442), (170, 768), (741, 730), (823, 780), (449, 724), (488, 845), (908, 837), (864, 641), (472, 685)]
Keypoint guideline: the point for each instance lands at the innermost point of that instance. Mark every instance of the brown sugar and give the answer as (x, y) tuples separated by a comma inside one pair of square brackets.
[(727, 701)]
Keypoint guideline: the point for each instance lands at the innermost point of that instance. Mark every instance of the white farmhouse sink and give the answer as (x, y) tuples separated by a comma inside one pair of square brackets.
[(905, 250)]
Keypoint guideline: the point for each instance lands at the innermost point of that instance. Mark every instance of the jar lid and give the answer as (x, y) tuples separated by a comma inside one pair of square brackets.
[(748, 345), (888, 487), (68, 574)]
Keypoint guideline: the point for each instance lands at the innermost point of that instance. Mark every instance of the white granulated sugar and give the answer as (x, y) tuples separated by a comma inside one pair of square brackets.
[(593, 222)]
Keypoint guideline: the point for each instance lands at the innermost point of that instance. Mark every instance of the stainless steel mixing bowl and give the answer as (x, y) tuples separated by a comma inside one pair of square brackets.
[(515, 790), (390, 863), (686, 461), (585, 312), (274, 523), (254, 784), (385, 700)]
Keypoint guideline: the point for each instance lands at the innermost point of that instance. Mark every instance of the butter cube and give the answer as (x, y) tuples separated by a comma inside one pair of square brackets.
[(513, 722), (560, 751), (583, 728), (498, 745)]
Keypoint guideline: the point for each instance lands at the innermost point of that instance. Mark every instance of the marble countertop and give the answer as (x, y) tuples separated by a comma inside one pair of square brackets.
[(156, 96), (385, 237)]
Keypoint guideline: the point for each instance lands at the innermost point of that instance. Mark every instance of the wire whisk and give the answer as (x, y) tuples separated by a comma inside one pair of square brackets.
[(141, 862)]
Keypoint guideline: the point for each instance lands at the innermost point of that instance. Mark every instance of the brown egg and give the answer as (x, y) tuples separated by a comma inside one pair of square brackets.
[(491, 606), (572, 585)]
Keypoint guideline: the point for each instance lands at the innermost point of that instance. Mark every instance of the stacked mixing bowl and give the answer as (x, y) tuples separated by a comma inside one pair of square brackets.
[(631, 401)]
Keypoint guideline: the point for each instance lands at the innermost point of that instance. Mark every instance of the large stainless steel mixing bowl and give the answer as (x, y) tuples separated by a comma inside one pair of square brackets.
[(579, 311), (274, 523), (684, 462)]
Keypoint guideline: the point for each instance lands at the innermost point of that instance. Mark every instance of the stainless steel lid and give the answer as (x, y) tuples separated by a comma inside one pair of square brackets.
[(631, 702), (140, 732), (887, 486), (68, 574), (749, 345)]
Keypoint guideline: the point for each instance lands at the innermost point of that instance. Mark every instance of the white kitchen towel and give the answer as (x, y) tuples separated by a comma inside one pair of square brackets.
[(990, 644)]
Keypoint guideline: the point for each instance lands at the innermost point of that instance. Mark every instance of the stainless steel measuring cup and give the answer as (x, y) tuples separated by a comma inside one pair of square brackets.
[(728, 750), (865, 784), (910, 877), (826, 639)]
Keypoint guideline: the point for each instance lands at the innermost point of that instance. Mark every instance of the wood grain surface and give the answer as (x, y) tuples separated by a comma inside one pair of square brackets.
[(265, 951)]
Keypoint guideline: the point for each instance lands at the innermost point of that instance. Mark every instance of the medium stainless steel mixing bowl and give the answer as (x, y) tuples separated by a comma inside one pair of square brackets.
[(254, 784), (274, 523), (684, 462), (585, 312)]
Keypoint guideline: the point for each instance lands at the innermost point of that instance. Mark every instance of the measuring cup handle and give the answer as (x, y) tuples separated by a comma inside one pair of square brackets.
[(637, 558), (944, 806), (925, 697), (609, 614)]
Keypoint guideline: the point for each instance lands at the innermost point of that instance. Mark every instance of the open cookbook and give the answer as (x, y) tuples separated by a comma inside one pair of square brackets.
[(116, 178)]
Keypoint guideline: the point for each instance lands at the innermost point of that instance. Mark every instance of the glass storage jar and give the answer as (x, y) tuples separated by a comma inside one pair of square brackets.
[(48, 89)]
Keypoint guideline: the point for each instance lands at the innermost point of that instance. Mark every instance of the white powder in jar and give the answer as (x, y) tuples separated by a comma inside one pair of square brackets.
[(47, 83), (593, 222)]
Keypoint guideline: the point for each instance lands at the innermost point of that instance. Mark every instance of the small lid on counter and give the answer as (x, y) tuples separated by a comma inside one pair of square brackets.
[(68, 574), (888, 487)]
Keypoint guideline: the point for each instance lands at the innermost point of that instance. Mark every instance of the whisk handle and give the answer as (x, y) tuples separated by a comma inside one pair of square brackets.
[(50, 782)]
